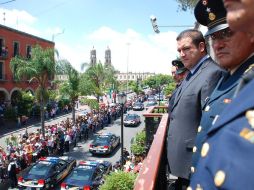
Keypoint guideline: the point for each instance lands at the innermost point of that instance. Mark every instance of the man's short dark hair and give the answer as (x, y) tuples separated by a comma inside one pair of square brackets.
[(196, 36)]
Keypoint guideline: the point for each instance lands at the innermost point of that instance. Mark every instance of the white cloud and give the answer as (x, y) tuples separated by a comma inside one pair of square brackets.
[(145, 53), (20, 20), (152, 53)]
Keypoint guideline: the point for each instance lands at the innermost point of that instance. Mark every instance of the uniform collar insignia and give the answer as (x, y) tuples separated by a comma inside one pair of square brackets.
[(249, 68)]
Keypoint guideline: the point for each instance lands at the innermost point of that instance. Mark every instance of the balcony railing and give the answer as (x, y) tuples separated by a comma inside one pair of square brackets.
[(152, 176)]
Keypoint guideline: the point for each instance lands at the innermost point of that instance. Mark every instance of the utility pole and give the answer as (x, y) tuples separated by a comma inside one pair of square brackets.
[(127, 63), (56, 34), (156, 26)]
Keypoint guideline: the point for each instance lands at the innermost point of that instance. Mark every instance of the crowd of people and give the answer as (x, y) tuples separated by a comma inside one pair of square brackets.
[(211, 117), (26, 148)]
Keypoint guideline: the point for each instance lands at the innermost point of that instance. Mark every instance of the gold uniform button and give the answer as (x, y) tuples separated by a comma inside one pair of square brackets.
[(205, 149), (219, 178), (199, 129), (192, 169), (199, 187), (194, 149), (189, 188), (207, 108)]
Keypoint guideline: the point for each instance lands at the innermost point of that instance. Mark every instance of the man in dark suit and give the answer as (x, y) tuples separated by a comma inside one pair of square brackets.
[(189, 100), (235, 59)]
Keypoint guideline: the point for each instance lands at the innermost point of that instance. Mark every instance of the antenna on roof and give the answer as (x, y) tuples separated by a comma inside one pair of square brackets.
[(4, 17), (17, 22)]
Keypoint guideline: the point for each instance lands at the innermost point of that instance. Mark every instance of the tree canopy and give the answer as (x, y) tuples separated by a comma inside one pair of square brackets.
[(40, 67), (187, 4)]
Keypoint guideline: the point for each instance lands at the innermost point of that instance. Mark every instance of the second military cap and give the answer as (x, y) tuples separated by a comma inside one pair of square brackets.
[(179, 65), (211, 13)]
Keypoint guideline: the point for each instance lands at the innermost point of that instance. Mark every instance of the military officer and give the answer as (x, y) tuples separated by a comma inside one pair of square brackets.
[(235, 59), (180, 72), (228, 152), (178, 76), (240, 14)]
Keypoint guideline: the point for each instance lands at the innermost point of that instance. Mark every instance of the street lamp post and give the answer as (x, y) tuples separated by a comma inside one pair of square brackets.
[(121, 100), (127, 63), (56, 34), (156, 27)]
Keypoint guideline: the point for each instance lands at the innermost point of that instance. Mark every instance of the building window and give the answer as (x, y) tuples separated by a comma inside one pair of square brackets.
[(132, 76), (16, 49), (28, 51), (1, 46), (1, 70)]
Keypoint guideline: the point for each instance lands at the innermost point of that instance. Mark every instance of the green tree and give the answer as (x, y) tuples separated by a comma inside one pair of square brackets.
[(70, 89), (25, 104), (97, 79), (158, 80), (169, 88), (138, 145), (40, 68), (187, 4)]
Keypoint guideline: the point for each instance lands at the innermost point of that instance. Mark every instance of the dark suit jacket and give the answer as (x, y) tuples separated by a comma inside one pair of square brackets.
[(186, 114)]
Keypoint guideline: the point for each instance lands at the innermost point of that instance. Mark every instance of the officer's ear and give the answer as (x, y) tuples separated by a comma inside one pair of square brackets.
[(202, 46)]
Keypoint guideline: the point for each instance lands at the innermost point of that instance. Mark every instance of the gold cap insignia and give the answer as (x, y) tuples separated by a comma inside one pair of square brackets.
[(212, 16)]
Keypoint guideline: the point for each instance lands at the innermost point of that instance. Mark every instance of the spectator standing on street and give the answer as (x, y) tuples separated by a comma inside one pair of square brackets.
[(12, 173), (189, 100)]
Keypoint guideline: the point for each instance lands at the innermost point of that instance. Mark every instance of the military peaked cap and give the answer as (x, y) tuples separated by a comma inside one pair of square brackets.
[(211, 13)]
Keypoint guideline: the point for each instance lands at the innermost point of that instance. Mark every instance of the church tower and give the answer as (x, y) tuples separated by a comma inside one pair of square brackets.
[(93, 59), (108, 56)]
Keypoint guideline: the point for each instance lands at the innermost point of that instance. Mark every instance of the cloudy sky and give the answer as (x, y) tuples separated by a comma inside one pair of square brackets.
[(124, 26)]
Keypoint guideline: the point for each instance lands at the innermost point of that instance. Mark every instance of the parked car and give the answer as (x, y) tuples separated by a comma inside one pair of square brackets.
[(138, 106), (46, 173), (151, 103), (131, 120), (87, 175), (151, 98), (104, 143)]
